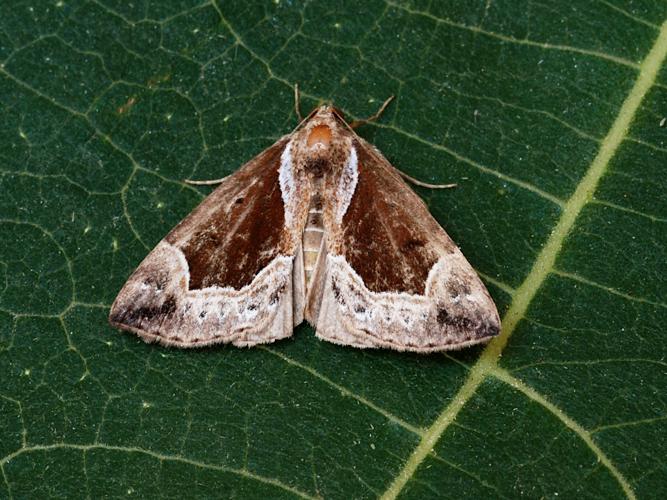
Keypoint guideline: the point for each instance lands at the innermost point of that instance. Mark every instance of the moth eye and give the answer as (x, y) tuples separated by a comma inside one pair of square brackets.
[(320, 134)]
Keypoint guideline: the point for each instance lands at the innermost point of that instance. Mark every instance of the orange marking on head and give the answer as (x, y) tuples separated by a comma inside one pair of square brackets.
[(321, 134)]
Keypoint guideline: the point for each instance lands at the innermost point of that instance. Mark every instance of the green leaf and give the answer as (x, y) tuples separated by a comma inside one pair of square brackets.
[(551, 118)]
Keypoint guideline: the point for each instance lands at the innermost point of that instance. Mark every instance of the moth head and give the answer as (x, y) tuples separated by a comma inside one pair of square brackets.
[(322, 142), (319, 137), (329, 111), (322, 130)]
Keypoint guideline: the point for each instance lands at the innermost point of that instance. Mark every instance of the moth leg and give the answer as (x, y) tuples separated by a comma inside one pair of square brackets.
[(424, 184), (297, 102), (204, 183), (378, 113)]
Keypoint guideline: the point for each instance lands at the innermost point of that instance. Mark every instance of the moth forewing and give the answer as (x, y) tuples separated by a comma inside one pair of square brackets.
[(223, 274), (318, 226)]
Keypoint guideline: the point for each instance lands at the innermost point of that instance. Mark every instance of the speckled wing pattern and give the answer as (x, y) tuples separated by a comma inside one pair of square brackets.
[(224, 274), (394, 278)]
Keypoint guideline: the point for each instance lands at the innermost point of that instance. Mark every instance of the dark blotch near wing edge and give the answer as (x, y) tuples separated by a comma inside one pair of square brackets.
[(134, 316), (442, 316), (480, 328)]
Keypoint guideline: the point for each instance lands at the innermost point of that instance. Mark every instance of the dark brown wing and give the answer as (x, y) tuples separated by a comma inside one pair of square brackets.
[(224, 274), (238, 229), (394, 277), (388, 236)]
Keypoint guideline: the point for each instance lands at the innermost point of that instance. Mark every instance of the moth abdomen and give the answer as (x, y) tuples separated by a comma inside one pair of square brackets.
[(313, 234)]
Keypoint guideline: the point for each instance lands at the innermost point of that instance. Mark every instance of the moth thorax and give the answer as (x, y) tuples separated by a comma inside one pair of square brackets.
[(318, 150), (319, 137)]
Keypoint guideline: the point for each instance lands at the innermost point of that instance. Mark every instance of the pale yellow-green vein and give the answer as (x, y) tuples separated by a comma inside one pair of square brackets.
[(158, 456), (582, 433)]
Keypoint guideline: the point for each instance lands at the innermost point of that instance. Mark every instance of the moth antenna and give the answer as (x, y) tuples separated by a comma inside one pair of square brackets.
[(424, 184), (378, 113), (204, 183), (297, 102), (410, 179), (303, 120)]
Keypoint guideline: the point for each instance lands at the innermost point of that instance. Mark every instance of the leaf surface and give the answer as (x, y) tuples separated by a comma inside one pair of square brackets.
[(549, 116)]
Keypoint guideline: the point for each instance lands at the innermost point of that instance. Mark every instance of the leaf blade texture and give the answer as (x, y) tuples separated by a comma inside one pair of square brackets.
[(549, 117)]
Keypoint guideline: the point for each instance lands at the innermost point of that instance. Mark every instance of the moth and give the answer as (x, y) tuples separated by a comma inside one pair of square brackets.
[(321, 227)]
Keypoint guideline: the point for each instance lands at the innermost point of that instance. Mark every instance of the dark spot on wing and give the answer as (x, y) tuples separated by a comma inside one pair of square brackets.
[(134, 316), (412, 244), (477, 327), (457, 287), (359, 309), (443, 315), (156, 279), (337, 292), (275, 296), (488, 330)]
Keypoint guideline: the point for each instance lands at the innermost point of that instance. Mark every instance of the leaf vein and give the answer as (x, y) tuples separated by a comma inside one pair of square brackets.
[(630, 423), (478, 166), (628, 210), (347, 392), (158, 456), (585, 281), (510, 39), (504, 376)]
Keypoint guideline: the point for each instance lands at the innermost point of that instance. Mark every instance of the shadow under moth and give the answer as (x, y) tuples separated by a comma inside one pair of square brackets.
[(321, 227)]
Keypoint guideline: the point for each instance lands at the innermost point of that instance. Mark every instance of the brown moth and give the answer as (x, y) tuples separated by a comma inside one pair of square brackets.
[(321, 227)]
